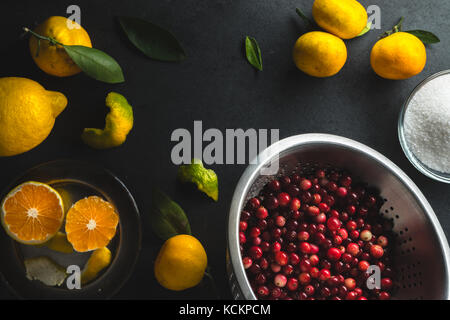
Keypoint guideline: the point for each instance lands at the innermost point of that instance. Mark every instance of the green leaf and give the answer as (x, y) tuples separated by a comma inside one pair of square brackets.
[(205, 179), (154, 41), (425, 36), (167, 217), (253, 53), (304, 17), (96, 64), (366, 29)]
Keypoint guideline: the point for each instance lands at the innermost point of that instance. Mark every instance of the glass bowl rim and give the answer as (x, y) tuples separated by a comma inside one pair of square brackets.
[(419, 165)]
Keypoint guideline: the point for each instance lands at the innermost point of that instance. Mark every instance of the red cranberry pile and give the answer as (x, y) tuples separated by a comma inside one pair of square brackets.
[(313, 236)]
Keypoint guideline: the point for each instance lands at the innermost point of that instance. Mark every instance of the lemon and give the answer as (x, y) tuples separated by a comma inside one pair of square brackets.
[(51, 58), (181, 263), (398, 56), (99, 260), (319, 54), (343, 18), (27, 114), (119, 123), (59, 243)]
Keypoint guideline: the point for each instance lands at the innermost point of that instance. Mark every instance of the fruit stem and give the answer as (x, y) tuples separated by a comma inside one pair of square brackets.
[(396, 28), (51, 40)]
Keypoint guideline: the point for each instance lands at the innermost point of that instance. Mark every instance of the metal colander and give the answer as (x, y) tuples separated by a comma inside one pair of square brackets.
[(421, 251)]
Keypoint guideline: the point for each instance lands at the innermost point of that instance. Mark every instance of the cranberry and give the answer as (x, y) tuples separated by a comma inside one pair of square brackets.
[(262, 213), (304, 278), (347, 257), (363, 265), (281, 258), (324, 274), (384, 295), (295, 204), (263, 291), (242, 238), (337, 240), (275, 267), (284, 199), (354, 234), (365, 235), (334, 223), (351, 225), (305, 265), (321, 218), (245, 215), (292, 284), (332, 186), (254, 232), (343, 233), (346, 181), (294, 258), (350, 283), (305, 247), (320, 173), (305, 184), (255, 252), (275, 292), (376, 251), (314, 272), (313, 211), (352, 295), (247, 262), (288, 270), (243, 226), (325, 292), (256, 241), (280, 221), (309, 290), (254, 203), (341, 192), (334, 254), (263, 263), (303, 236), (276, 233), (323, 207), (260, 278), (274, 185), (271, 203), (314, 259), (314, 249), (280, 280), (382, 241), (386, 283), (317, 198), (353, 249)]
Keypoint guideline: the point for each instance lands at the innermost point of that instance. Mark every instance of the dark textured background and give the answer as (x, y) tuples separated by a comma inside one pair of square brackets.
[(216, 85)]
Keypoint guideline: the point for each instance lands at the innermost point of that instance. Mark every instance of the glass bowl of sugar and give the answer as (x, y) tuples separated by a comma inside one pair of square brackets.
[(424, 127)]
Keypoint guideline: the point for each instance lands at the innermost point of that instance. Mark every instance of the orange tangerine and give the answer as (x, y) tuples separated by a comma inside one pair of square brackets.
[(91, 223), (32, 213)]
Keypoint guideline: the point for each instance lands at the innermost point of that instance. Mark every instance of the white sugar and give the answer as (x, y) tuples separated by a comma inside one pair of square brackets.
[(427, 124)]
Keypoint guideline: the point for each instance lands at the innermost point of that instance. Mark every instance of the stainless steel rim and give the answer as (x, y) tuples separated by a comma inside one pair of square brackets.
[(401, 134), (252, 172)]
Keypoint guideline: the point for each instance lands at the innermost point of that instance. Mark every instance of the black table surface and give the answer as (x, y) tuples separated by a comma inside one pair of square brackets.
[(215, 84)]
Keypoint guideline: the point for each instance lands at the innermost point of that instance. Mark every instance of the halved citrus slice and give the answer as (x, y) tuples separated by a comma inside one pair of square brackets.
[(32, 213), (91, 223)]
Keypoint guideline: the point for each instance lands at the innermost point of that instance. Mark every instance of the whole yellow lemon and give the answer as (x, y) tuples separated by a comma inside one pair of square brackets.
[(27, 114), (319, 54), (51, 58), (398, 56), (181, 263), (343, 18)]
